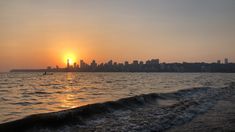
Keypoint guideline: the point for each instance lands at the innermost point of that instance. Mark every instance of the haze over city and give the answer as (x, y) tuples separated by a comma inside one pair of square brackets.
[(117, 65), (36, 34)]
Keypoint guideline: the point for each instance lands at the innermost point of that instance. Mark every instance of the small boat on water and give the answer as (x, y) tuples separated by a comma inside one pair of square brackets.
[(45, 73)]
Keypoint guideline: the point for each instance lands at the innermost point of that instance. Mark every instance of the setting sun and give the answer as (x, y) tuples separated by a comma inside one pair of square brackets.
[(71, 57)]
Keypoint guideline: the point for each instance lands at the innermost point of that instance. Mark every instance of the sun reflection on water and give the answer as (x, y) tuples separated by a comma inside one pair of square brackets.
[(41, 94), (68, 98)]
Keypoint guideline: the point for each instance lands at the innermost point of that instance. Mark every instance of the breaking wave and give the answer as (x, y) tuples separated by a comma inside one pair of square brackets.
[(175, 108)]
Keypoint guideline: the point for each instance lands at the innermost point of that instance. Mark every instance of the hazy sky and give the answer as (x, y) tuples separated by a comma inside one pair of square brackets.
[(38, 33)]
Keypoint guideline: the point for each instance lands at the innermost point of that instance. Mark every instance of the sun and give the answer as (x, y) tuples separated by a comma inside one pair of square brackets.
[(71, 57)]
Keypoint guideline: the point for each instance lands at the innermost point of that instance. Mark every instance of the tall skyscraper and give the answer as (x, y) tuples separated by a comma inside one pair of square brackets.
[(93, 64), (74, 65), (226, 61), (68, 63), (82, 64)]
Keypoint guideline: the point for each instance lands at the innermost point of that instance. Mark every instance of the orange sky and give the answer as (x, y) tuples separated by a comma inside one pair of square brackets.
[(36, 34)]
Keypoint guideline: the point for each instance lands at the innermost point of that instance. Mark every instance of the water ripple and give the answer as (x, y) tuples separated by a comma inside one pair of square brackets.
[(34, 93)]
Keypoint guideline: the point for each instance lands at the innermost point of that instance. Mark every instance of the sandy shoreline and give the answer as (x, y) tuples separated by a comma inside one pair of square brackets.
[(185, 110)]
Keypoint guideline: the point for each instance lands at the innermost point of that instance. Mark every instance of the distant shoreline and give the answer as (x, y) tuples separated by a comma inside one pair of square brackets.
[(45, 70), (141, 67)]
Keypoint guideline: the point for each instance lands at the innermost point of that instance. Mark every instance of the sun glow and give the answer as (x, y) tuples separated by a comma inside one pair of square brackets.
[(71, 57)]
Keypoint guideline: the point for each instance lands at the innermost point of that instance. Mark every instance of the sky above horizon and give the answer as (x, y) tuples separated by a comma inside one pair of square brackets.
[(40, 33)]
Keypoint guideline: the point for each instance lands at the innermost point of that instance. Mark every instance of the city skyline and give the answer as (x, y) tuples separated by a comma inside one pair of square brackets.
[(78, 63), (157, 61), (151, 65), (35, 34)]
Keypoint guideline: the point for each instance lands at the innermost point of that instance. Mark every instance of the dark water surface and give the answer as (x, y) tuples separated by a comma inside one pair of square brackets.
[(23, 94)]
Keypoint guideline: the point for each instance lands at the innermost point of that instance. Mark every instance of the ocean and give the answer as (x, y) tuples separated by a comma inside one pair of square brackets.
[(24, 94)]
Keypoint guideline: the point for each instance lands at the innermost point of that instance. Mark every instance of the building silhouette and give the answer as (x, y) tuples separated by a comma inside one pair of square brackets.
[(226, 61), (152, 65), (68, 64)]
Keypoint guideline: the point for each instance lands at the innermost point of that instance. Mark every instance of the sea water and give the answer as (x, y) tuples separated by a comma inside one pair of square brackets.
[(23, 94)]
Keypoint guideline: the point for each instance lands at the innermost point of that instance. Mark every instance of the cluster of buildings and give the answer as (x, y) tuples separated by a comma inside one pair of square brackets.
[(152, 65), (225, 61), (111, 66)]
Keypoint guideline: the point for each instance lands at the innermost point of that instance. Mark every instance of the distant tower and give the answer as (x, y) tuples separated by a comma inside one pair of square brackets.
[(82, 64), (74, 65), (126, 63), (226, 61), (68, 63)]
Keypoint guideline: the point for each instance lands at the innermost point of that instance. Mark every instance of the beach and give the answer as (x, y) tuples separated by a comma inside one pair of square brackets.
[(204, 109)]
